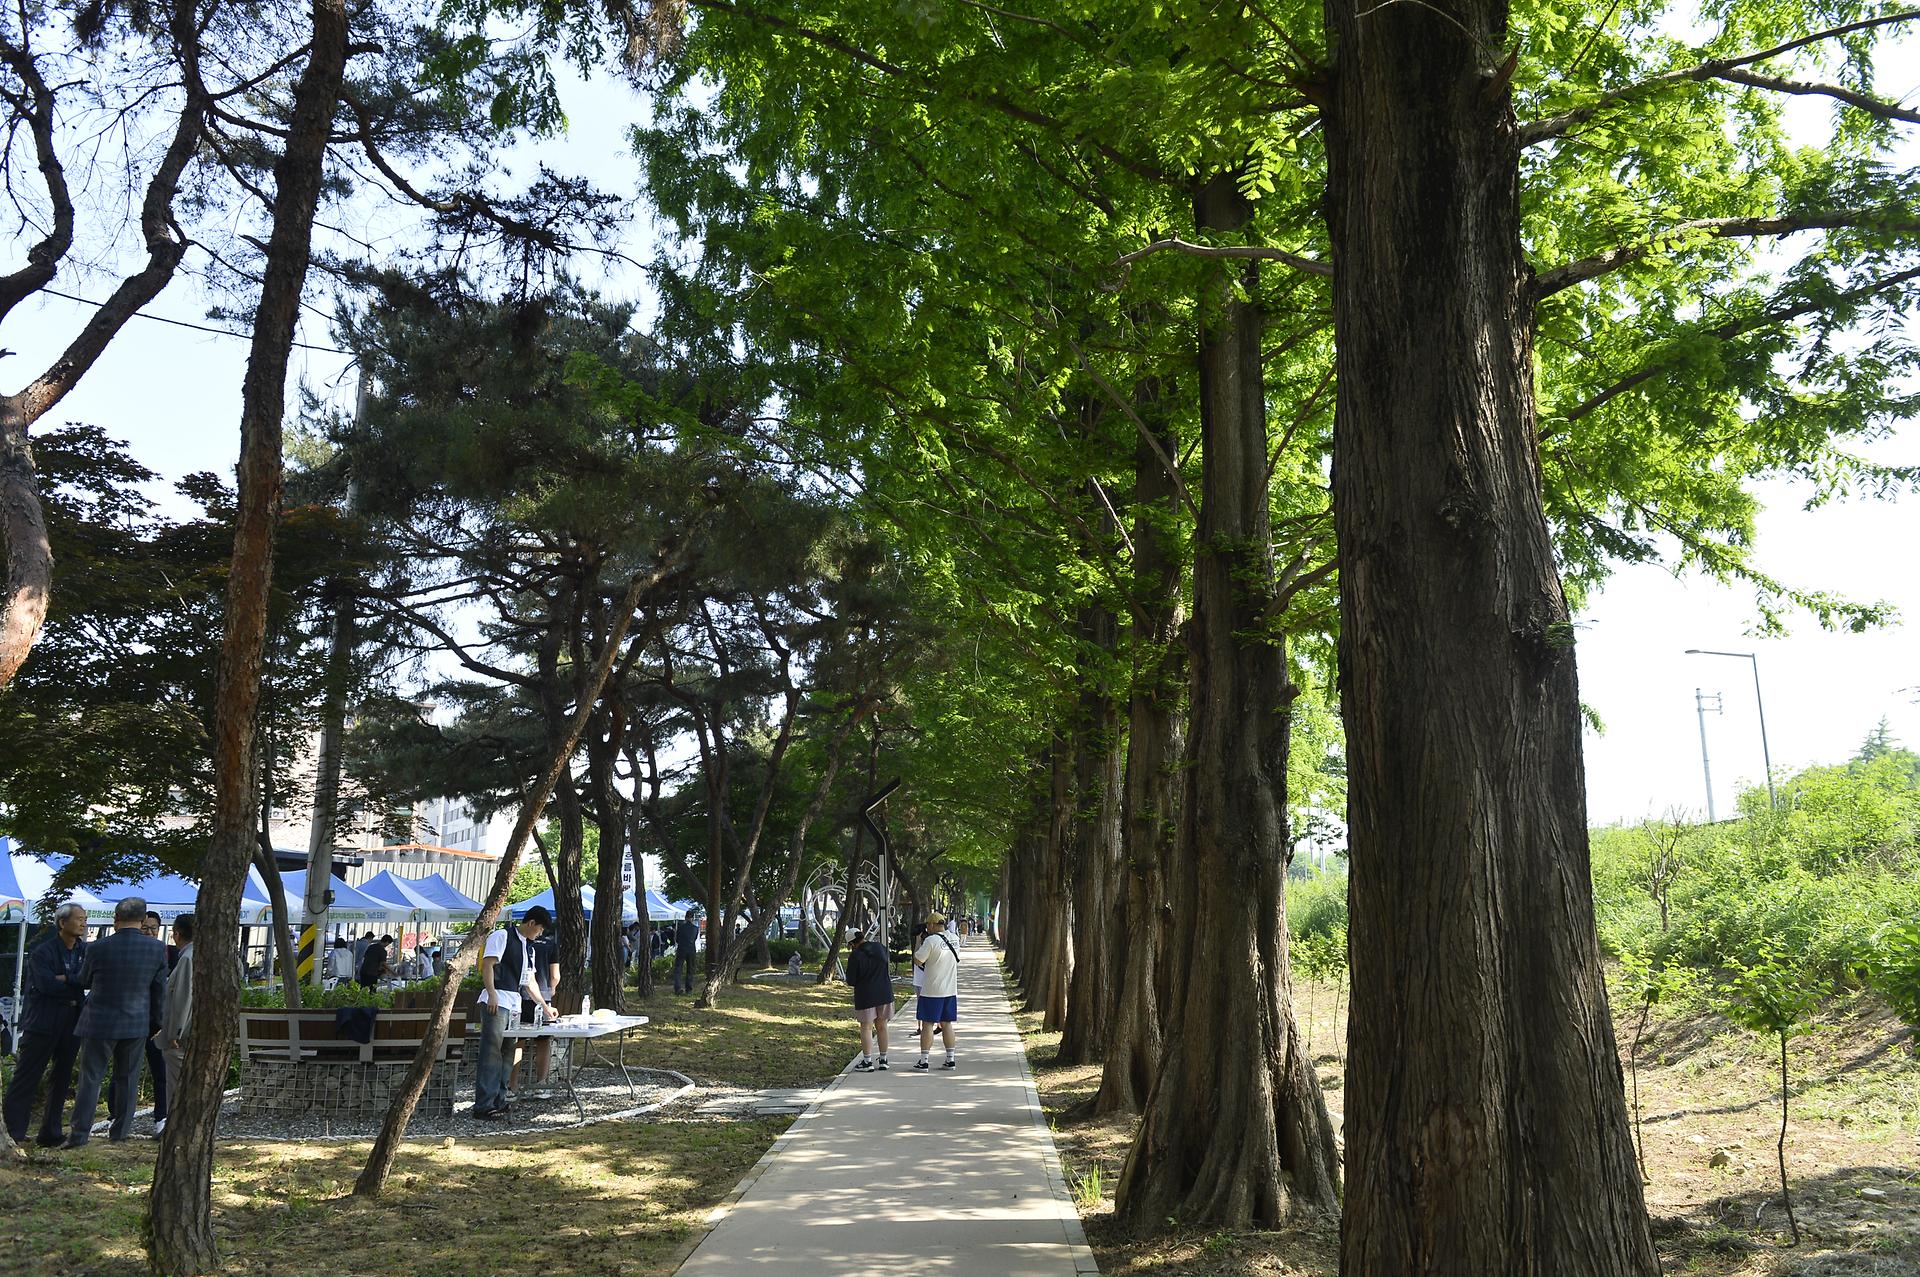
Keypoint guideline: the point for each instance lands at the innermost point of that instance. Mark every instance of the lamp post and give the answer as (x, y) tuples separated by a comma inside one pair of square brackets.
[(1766, 754)]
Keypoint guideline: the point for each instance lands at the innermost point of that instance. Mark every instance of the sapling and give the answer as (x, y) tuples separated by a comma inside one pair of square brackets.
[(1773, 997)]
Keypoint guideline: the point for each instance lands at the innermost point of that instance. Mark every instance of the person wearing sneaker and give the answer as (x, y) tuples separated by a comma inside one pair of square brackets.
[(507, 974), (939, 1003), (868, 972)]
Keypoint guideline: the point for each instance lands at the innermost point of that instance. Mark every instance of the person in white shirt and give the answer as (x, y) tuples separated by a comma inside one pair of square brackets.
[(938, 960), (506, 972), (340, 961)]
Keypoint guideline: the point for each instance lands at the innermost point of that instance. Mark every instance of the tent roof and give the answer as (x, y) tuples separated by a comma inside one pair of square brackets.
[(445, 894), (349, 904), (401, 892), (519, 909)]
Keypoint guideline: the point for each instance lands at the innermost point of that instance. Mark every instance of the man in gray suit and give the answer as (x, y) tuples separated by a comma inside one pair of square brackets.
[(126, 979), (171, 1039)]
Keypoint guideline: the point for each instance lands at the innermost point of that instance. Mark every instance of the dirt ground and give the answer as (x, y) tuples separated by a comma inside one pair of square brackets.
[(1710, 1113)]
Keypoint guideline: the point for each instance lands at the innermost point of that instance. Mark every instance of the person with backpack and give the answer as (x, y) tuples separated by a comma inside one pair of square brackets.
[(869, 972), (939, 1002)]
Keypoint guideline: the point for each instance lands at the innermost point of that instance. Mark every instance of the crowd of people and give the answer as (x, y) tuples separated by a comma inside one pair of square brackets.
[(112, 1007)]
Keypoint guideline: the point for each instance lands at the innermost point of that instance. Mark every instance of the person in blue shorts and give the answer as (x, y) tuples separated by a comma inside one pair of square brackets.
[(939, 964)]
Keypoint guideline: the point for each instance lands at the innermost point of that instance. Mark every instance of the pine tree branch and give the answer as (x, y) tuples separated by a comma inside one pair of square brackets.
[(1565, 276), (1730, 69)]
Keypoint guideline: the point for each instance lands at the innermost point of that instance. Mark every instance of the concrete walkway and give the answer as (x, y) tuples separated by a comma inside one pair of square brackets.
[(951, 1171)]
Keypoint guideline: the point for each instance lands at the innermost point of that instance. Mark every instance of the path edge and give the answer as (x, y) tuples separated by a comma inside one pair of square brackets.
[(1083, 1260)]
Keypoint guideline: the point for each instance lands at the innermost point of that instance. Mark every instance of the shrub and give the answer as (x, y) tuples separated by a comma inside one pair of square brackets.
[(1317, 906)]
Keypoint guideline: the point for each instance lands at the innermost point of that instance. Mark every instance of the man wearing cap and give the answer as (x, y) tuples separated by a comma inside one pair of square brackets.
[(939, 1003), (506, 972)]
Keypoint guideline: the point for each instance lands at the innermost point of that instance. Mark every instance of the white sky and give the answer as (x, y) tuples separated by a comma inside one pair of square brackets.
[(175, 396)]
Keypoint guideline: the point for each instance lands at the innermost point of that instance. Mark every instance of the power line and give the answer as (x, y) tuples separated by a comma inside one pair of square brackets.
[(199, 328)]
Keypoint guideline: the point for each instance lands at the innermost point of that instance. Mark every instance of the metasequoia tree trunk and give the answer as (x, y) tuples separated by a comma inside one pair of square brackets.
[(1099, 768), (1486, 1122), (179, 1208), (393, 1128), (1051, 968), (1236, 1131), (1133, 1052)]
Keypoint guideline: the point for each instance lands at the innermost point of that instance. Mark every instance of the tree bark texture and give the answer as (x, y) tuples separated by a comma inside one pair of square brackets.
[(393, 1128), (609, 816), (557, 686), (1486, 1121), (1099, 769), (1236, 1132), (1149, 809), (179, 1207), (1051, 964), (636, 839)]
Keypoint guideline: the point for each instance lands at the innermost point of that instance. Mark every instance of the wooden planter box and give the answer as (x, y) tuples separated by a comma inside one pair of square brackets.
[(271, 1034)]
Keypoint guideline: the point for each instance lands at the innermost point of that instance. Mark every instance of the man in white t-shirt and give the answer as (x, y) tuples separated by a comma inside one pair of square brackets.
[(506, 972), (938, 960)]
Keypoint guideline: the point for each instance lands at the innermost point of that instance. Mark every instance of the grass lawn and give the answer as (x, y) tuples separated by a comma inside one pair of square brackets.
[(1710, 1115), (618, 1198)]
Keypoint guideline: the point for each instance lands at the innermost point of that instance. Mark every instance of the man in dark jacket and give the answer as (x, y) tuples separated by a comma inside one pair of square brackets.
[(126, 979), (686, 946), (54, 998), (872, 980)]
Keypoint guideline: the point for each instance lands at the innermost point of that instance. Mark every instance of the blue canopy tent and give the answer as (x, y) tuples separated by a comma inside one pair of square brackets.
[(349, 904), (403, 893), (457, 903), (661, 909), (518, 910)]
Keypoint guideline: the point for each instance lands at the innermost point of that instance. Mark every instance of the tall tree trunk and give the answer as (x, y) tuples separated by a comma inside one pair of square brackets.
[(179, 1207), (280, 926), (609, 816), (636, 829), (1236, 1132), (556, 686), (766, 911), (1133, 1054), (1099, 766), (393, 1128), (1052, 965), (1486, 1120)]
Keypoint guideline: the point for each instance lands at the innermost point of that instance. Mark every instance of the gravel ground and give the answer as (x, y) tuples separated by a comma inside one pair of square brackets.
[(603, 1094)]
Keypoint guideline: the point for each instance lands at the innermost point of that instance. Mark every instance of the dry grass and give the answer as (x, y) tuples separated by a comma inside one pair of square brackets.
[(1710, 1113), (622, 1198)]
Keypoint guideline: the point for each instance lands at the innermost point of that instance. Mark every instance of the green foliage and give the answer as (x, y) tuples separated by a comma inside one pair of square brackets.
[(1774, 994), (1317, 907), (1830, 875), (1894, 971)]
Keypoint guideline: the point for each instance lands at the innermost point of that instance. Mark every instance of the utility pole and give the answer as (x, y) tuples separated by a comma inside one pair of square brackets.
[(1766, 753), (1702, 702)]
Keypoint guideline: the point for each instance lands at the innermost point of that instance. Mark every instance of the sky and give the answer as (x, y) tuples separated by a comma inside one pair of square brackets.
[(174, 395)]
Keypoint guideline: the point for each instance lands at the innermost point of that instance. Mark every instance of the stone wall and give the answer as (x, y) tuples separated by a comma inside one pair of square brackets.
[(270, 1088)]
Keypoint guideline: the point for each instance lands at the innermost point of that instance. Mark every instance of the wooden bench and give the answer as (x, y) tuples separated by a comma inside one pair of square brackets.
[(309, 1037)]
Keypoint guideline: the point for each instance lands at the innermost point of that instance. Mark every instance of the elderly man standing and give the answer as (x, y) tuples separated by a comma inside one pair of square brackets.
[(178, 1012), (125, 976), (54, 999)]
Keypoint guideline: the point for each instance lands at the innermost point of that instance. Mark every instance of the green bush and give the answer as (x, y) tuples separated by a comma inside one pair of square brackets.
[(1317, 906)]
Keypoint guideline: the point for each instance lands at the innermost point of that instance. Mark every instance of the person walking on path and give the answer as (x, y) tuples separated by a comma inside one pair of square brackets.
[(126, 979), (176, 1017), (939, 1001), (506, 971), (686, 946), (54, 998), (872, 980)]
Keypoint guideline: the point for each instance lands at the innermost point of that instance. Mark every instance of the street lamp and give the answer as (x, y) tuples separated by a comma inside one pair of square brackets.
[(1765, 753)]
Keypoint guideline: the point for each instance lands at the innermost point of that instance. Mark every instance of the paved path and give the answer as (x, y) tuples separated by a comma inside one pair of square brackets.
[(951, 1171)]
